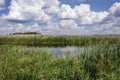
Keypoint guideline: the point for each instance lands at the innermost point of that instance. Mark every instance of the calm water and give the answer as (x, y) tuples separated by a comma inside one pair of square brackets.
[(63, 51), (60, 51)]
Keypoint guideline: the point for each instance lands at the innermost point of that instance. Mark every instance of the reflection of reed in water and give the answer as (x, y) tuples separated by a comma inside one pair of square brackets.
[(65, 51)]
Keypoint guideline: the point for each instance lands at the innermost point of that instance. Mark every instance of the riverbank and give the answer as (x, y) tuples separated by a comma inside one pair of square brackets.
[(45, 40)]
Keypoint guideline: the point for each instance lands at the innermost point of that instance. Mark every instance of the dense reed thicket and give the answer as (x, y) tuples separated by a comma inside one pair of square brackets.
[(100, 62), (58, 40)]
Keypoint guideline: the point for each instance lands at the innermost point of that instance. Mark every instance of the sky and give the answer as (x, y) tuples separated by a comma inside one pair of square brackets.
[(69, 17)]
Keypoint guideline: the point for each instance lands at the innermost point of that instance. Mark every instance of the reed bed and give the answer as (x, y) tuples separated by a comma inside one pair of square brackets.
[(35, 40), (98, 62)]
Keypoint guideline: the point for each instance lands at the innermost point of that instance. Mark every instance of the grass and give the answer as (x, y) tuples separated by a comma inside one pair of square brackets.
[(102, 62), (42, 40), (99, 62)]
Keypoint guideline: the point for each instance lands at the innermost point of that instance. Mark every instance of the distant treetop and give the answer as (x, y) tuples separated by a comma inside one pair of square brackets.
[(25, 33)]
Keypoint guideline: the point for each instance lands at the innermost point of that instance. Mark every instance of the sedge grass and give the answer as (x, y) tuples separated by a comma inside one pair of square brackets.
[(58, 40), (101, 62)]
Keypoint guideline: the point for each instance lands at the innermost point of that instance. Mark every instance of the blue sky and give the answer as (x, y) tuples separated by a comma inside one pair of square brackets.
[(60, 16), (96, 5)]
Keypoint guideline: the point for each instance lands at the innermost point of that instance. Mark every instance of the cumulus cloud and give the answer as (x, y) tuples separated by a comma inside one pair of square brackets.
[(82, 9), (115, 9), (26, 9), (51, 17), (66, 12), (86, 16), (2, 2), (80, 0), (69, 24), (31, 9), (22, 28), (93, 17), (111, 24), (45, 10)]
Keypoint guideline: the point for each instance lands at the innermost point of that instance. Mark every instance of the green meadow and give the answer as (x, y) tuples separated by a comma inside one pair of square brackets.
[(100, 59)]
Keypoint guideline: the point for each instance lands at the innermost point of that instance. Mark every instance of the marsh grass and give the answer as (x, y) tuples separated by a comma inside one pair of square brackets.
[(98, 62), (58, 40), (102, 62)]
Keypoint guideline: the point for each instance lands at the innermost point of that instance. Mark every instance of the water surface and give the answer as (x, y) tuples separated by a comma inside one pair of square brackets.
[(59, 51)]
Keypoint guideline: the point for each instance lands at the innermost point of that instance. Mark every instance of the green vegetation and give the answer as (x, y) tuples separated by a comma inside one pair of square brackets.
[(23, 33), (96, 63), (99, 61), (59, 40)]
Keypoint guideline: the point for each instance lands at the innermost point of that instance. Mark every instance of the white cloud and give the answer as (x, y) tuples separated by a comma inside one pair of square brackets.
[(31, 9), (52, 10), (59, 19), (86, 16), (66, 12), (69, 24), (82, 13), (45, 9), (82, 9), (50, 3), (110, 24), (2, 2), (80, 0), (115, 9), (51, 6), (93, 17), (32, 28)]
